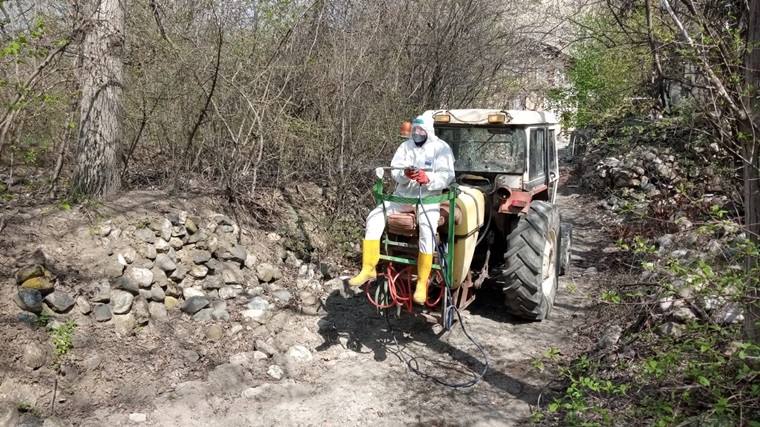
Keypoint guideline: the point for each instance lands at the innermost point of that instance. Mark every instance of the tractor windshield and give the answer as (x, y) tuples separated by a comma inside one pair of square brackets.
[(486, 149)]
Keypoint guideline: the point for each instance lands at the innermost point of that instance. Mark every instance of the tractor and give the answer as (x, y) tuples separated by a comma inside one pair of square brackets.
[(499, 224)]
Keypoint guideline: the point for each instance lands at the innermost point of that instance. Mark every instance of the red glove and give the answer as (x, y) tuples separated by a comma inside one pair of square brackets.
[(412, 174), (422, 177)]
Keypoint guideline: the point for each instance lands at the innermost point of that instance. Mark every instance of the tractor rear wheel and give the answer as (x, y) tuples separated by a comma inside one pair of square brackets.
[(532, 260)]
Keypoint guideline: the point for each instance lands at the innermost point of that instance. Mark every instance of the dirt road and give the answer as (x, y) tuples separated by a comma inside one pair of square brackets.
[(339, 367)]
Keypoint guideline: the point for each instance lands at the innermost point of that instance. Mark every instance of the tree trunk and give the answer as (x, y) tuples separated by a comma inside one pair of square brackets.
[(751, 146), (100, 131)]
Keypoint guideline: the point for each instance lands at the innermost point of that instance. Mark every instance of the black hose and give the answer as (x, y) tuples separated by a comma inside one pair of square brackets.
[(447, 318)]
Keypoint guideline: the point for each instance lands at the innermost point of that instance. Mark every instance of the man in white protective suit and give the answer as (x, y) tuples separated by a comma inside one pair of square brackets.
[(423, 162)]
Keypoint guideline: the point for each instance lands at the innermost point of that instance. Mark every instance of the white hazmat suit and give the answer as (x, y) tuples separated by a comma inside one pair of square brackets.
[(433, 164), (437, 160)]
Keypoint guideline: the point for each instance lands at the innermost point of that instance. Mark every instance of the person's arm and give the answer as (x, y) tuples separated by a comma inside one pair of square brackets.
[(399, 164), (443, 169)]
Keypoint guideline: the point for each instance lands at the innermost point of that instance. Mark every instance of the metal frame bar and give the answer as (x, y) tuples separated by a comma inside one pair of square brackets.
[(451, 196)]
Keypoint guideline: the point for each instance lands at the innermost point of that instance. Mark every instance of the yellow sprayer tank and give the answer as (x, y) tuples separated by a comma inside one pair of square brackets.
[(471, 203)]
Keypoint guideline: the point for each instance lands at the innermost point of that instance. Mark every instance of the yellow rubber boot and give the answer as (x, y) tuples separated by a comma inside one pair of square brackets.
[(370, 258), (424, 264)]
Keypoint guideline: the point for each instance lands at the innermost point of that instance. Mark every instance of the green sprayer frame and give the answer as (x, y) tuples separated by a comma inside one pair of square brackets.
[(387, 242)]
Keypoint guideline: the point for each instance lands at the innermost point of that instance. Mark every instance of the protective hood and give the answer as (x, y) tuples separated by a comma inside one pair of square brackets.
[(425, 121)]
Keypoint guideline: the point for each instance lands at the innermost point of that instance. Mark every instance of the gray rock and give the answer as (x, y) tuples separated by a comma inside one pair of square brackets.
[(671, 329), (215, 332), (266, 272), (141, 262), (251, 261), (226, 229), (213, 282), (114, 234), (282, 297), (83, 305), (179, 231), (201, 257), (166, 229), (199, 271), (124, 324), (102, 293), (165, 263), (730, 313), (221, 315), (193, 305), (238, 253), (126, 284), (29, 300), (157, 311), (162, 246), (59, 301), (141, 311), (684, 315), (176, 243), (157, 294), (129, 255), (591, 271), (102, 312), (610, 337), (148, 252), (188, 293), (113, 269), (28, 320), (222, 219), (145, 294), (219, 304), (257, 310), (214, 266), (173, 218), (122, 302), (8, 414), (679, 253), (146, 235), (308, 299), (138, 418), (159, 277), (179, 274), (259, 355), (203, 315), (665, 241), (300, 353), (265, 348), (197, 237), (232, 275), (190, 356), (275, 372), (35, 356), (230, 292), (143, 277)]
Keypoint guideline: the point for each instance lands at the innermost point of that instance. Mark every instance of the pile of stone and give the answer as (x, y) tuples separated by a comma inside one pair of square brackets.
[(37, 292), (175, 262), (646, 172)]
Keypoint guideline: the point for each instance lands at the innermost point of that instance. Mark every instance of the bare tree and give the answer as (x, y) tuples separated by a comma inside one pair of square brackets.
[(97, 171)]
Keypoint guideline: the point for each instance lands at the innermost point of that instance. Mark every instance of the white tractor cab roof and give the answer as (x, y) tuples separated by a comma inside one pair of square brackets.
[(482, 116)]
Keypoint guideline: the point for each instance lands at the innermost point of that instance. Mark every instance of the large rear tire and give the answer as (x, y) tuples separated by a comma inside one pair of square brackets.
[(532, 260)]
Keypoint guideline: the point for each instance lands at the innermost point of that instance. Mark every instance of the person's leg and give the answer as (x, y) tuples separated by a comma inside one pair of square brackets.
[(371, 243), (427, 218)]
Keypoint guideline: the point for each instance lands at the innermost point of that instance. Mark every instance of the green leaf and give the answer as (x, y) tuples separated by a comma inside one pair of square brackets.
[(704, 381)]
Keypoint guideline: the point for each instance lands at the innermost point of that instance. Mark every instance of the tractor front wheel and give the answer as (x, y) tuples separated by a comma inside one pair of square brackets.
[(532, 260)]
